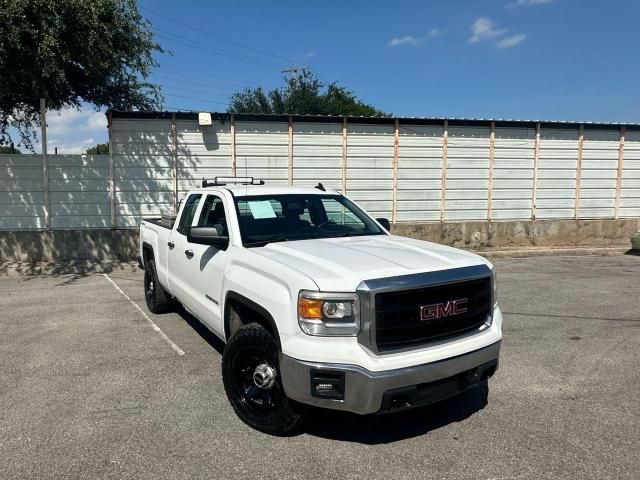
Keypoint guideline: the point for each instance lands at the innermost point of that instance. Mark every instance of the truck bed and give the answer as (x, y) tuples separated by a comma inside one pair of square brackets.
[(165, 221)]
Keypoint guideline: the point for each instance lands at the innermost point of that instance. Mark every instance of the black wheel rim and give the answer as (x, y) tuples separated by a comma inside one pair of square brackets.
[(149, 287), (251, 396)]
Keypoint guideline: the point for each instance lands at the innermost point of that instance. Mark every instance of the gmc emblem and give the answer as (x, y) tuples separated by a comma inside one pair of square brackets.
[(442, 310)]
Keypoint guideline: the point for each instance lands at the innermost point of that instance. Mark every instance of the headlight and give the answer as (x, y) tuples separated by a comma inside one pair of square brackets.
[(328, 314)]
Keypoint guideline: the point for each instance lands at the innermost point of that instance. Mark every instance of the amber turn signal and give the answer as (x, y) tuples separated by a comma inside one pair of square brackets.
[(309, 308)]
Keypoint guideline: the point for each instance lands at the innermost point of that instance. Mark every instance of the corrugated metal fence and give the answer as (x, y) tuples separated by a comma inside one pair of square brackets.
[(404, 170)]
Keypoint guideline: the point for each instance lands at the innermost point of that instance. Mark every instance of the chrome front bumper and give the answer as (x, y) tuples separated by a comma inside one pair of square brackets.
[(367, 392)]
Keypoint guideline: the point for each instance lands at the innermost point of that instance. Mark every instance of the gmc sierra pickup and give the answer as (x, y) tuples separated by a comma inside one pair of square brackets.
[(318, 304)]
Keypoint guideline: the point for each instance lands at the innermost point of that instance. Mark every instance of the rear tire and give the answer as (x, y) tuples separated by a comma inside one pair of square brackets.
[(251, 376), (158, 300)]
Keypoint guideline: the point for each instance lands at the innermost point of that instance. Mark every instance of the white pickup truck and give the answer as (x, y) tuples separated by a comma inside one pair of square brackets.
[(318, 304)]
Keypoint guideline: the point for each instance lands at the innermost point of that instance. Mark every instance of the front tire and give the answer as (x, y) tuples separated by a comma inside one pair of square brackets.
[(251, 376), (158, 301)]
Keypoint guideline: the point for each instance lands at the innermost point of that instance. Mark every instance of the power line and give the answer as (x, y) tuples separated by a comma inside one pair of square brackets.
[(202, 78), (232, 42), (218, 49), (195, 99), (207, 77), (192, 77), (194, 44), (186, 90), (195, 82), (180, 109), (163, 78), (304, 68)]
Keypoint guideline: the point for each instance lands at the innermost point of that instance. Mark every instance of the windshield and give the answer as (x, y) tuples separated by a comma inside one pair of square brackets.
[(280, 218)]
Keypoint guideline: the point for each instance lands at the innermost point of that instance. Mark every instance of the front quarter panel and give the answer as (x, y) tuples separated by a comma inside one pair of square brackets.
[(271, 285)]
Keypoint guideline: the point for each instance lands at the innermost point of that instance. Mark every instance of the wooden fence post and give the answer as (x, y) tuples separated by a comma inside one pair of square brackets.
[(534, 184), (616, 211), (344, 156), (45, 164), (492, 137), (578, 172), (233, 145), (290, 152), (443, 180), (394, 208), (174, 166), (112, 183)]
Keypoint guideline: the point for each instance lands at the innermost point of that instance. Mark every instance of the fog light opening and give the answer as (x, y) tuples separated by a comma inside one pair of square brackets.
[(327, 384)]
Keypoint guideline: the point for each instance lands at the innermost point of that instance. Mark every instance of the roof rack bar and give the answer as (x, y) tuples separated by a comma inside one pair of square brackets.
[(221, 181)]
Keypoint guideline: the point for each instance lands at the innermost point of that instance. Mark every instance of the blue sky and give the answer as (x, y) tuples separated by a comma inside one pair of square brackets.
[(531, 59)]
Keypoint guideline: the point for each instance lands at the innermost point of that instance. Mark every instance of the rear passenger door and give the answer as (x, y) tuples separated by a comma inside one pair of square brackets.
[(208, 264), (179, 261)]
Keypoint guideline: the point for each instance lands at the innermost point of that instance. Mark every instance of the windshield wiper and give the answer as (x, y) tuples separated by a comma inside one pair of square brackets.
[(337, 235), (262, 243)]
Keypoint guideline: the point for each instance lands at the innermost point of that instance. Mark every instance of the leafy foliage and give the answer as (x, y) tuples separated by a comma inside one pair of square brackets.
[(99, 149), (70, 52), (303, 94), (10, 149)]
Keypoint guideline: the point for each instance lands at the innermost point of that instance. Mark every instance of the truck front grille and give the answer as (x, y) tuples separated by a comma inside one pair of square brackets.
[(399, 322)]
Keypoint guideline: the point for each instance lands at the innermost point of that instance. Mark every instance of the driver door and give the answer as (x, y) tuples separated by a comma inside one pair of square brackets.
[(208, 264), (180, 265)]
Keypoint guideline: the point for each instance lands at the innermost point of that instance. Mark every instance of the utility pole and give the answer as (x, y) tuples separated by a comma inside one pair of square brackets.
[(45, 163), (295, 70)]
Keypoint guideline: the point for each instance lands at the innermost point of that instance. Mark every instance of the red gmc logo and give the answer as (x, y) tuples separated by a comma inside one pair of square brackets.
[(442, 310)]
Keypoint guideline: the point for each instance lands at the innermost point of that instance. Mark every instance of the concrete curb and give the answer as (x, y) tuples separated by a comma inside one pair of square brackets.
[(87, 267), (64, 268), (556, 251)]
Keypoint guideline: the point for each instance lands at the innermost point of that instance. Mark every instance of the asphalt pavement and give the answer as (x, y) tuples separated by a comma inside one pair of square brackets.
[(90, 389)]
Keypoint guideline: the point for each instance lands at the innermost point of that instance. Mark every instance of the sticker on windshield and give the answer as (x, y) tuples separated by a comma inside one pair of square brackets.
[(261, 209)]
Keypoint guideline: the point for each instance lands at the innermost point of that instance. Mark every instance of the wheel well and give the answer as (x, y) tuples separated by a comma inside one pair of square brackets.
[(147, 252), (240, 311)]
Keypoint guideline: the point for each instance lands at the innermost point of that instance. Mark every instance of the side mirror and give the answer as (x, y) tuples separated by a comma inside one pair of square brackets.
[(207, 236), (385, 223)]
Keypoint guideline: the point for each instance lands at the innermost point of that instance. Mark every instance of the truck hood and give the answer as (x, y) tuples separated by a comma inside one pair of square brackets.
[(340, 264)]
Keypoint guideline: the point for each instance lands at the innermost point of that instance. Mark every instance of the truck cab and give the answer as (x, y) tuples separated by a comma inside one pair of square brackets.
[(319, 304)]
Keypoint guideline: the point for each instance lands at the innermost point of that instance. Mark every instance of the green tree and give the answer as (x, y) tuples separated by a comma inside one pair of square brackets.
[(10, 149), (303, 94), (99, 149), (72, 52)]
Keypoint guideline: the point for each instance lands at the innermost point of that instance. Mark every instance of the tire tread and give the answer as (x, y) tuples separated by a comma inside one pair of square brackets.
[(287, 419)]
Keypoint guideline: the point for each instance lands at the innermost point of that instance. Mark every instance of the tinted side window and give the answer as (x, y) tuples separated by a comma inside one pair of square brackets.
[(213, 215), (338, 214), (188, 212)]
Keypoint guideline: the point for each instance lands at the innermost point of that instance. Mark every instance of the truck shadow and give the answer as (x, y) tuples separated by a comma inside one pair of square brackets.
[(374, 429), (392, 427), (206, 334)]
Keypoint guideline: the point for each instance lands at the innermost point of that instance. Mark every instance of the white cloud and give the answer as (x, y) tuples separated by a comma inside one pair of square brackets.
[(309, 55), (406, 40), (70, 119), (528, 3), (61, 120), (511, 41), (483, 28), (71, 130), (96, 120), (74, 131), (68, 148), (412, 39)]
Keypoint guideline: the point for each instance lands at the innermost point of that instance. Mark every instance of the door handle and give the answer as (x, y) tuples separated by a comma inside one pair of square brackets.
[(171, 245), (189, 253)]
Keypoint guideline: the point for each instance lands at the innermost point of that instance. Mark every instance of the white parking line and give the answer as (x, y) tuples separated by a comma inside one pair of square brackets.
[(175, 347)]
